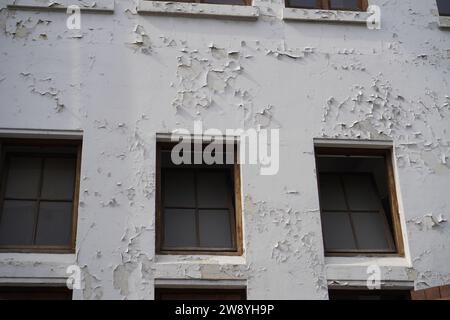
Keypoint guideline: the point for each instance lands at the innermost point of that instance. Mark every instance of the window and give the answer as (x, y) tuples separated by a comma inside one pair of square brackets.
[(350, 5), (349, 294), (200, 294), (198, 207), (443, 7), (38, 195), (35, 293), (358, 201), (228, 2)]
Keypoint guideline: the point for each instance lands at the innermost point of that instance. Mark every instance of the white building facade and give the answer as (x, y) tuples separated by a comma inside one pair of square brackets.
[(135, 71)]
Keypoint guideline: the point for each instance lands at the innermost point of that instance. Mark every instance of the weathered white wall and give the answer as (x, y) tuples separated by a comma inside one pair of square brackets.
[(310, 80)]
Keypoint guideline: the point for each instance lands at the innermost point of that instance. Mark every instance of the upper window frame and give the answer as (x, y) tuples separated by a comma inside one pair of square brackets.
[(325, 5), (237, 232), (29, 142), (397, 233)]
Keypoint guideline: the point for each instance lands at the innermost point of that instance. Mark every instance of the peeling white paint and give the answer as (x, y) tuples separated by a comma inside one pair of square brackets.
[(131, 76)]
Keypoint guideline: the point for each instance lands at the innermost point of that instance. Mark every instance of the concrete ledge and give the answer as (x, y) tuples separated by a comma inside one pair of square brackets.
[(198, 9), (444, 21), (97, 6), (315, 15)]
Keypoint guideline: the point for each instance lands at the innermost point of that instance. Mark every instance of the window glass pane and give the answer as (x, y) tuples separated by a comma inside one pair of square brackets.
[(229, 2), (17, 222), (54, 224), (331, 193), (212, 189), (444, 7), (370, 230), (361, 193), (179, 188), (59, 179), (23, 177), (215, 229), (344, 4), (308, 4), (179, 228), (337, 231)]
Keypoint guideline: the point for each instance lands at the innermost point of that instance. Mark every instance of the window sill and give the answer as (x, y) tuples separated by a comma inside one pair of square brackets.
[(98, 6), (318, 15), (444, 21), (198, 9), (199, 259)]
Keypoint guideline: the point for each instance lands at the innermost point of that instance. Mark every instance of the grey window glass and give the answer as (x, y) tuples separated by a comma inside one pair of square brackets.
[(17, 222), (361, 193), (354, 201), (444, 7), (344, 4), (38, 190), (197, 204), (180, 230), (229, 2), (337, 231), (58, 179), (212, 189), (179, 188), (55, 223), (331, 193), (307, 4), (370, 230), (23, 177), (215, 228)]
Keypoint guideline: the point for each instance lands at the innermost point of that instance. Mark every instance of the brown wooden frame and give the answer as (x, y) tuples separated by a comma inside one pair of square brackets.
[(42, 143), (220, 294), (392, 192), (236, 231), (325, 5), (246, 2)]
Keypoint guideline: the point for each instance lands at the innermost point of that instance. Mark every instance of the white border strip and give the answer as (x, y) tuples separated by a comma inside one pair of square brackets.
[(99, 6), (41, 134), (197, 9), (350, 143)]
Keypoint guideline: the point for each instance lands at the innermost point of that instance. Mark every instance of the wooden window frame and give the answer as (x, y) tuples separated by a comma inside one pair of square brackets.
[(395, 226), (5, 143), (246, 2), (236, 228), (159, 292), (325, 5)]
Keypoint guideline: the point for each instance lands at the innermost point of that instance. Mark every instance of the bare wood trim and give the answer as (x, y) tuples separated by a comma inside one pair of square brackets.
[(238, 202), (393, 201)]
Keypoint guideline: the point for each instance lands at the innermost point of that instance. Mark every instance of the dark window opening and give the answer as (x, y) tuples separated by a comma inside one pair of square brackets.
[(336, 294), (35, 293), (444, 7), (358, 204), (198, 207), (38, 196), (348, 5), (223, 2), (200, 294)]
